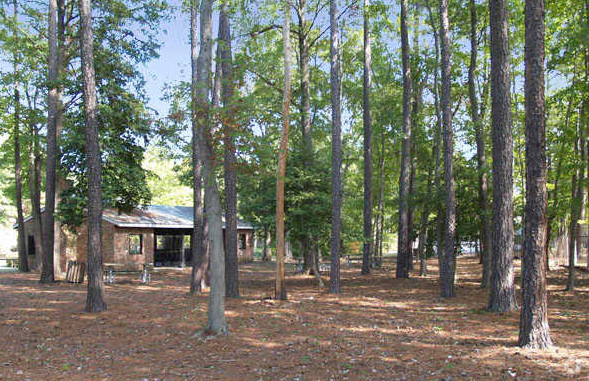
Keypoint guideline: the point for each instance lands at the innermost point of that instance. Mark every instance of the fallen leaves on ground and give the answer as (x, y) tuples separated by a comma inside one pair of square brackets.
[(380, 328)]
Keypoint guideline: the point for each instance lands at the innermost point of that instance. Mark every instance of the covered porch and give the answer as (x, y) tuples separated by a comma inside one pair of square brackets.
[(172, 247)]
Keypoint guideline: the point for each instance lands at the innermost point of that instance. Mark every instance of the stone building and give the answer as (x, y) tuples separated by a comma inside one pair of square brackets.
[(159, 235)]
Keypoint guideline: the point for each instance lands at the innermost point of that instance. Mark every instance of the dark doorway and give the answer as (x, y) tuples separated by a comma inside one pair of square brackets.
[(172, 248), (31, 245)]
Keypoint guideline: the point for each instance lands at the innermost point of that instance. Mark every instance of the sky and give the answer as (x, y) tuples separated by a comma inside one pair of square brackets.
[(173, 65)]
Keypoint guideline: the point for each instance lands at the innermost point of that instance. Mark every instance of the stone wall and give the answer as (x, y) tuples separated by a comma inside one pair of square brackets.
[(121, 246)]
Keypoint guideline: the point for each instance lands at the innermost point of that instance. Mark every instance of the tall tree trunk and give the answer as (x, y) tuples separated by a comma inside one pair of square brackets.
[(553, 209), (448, 265), (336, 153), (305, 85), (411, 211), (95, 297), (502, 296), (35, 190), (23, 264), (227, 91), (573, 222), (417, 94), (265, 245), (200, 257), (305, 110), (216, 322), (585, 108), (403, 256), (367, 247), (380, 214), (534, 331), (437, 144), (485, 231), (47, 273), (423, 227), (581, 188), (280, 289), (60, 182)]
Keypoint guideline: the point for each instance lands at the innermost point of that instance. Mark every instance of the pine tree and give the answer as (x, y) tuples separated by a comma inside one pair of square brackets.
[(336, 152), (447, 266), (534, 331), (502, 296), (280, 290), (95, 298)]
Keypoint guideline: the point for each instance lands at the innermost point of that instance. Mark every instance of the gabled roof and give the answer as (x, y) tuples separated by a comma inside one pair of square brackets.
[(156, 216)]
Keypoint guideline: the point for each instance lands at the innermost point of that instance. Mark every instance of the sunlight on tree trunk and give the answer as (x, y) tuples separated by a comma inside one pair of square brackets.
[(280, 288), (200, 257)]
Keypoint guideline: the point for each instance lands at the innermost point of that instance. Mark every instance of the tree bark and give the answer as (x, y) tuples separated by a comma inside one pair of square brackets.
[(227, 91), (95, 297), (417, 95), (305, 85), (60, 182), (336, 153), (411, 210), (35, 190), (573, 226), (437, 144), (485, 231), (502, 296), (581, 189), (265, 246), (368, 245), (201, 85), (403, 256), (448, 263), (200, 257), (216, 322), (305, 110), (553, 211), (23, 264), (423, 228), (534, 330), (47, 273), (380, 215), (280, 289)]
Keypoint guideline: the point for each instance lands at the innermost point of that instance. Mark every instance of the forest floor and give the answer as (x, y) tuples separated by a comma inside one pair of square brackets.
[(380, 328)]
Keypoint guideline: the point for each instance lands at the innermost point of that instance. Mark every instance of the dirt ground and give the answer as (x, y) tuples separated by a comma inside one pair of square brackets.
[(381, 328)]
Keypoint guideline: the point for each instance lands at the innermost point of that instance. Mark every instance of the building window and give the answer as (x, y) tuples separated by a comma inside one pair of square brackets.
[(242, 241), (135, 244)]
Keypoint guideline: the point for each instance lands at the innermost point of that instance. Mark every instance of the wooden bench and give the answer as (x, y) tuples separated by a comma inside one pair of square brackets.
[(112, 269), (356, 258), (323, 267)]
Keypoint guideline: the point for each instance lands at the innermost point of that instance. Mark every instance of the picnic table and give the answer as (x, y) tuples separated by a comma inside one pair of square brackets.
[(111, 269)]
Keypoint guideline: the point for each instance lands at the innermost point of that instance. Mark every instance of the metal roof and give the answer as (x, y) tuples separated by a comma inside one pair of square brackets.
[(157, 216)]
